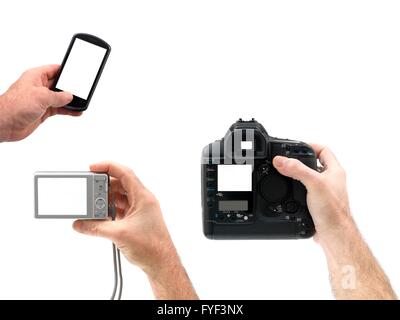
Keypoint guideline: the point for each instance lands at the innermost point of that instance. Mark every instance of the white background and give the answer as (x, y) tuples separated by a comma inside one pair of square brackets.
[(62, 196), (81, 68), (180, 73)]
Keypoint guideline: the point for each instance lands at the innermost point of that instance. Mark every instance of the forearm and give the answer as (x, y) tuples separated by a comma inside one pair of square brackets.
[(4, 122), (170, 281), (2, 119), (354, 271)]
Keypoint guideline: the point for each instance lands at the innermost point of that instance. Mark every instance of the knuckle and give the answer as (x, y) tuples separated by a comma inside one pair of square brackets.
[(130, 172), (289, 164), (342, 173), (293, 165), (127, 172), (94, 229), (26, 73), (149, 199)]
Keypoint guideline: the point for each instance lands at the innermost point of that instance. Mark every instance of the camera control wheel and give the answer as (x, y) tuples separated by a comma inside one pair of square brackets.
[(274, 188), (291, 207), (100, 203)]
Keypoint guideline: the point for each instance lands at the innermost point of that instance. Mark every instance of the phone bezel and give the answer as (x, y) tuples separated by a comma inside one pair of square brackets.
[(77, 103)]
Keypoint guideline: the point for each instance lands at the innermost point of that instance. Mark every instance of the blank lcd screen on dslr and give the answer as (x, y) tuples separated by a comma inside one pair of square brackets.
[(81, 68), (233, 205), (235, 177), (62, 196)]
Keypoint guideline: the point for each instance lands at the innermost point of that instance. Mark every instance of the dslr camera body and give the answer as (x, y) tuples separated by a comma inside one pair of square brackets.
[(244, 196)]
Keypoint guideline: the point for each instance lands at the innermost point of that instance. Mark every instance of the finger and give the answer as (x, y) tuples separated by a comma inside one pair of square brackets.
[(119, 214), (49, 98), (130, 183), (120, 201), (295, 169), (66, 112), (104, 229), (50, 71), (59, 99), (325, 156), (62, 111), (116, 187)]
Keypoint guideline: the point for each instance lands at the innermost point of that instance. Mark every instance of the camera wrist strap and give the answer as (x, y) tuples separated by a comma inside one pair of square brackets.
[(118, 280)]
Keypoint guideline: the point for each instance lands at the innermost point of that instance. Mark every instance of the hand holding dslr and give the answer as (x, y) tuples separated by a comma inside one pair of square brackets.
[(354, 271), (327, 197)]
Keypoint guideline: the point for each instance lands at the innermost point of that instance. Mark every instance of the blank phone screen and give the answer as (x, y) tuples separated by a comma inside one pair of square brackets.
[(81, 68), (62, 196)]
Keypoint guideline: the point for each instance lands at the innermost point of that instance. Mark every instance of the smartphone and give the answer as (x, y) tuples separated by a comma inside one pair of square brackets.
[(81, 69), (71, 195)]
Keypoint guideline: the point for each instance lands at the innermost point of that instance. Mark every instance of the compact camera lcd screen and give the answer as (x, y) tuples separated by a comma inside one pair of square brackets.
[(62, 196), (81, 68), (235, 177)]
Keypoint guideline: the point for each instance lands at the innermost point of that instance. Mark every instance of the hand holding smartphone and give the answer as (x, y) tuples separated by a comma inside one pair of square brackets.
[(81, 69)]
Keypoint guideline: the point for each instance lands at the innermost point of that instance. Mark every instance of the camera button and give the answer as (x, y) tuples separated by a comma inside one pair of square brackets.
[(98, 215), (100, 203), (291, 207), (264, 169), (211, 183)]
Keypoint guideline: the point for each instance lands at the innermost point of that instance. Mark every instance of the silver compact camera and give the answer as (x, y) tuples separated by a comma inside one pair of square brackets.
[(75, 195)]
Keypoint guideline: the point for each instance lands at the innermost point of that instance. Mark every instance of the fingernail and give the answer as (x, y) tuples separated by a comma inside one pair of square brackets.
[(280, 161)]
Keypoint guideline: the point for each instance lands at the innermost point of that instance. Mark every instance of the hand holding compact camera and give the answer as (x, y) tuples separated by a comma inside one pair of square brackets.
[(85, 195), (139, 230)]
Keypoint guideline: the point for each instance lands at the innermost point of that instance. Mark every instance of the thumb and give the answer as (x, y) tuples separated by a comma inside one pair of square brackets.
[(58, 99), (104, 229), (295, 169)]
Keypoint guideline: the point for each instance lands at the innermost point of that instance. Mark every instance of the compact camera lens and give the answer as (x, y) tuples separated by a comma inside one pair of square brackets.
[(273, 188)]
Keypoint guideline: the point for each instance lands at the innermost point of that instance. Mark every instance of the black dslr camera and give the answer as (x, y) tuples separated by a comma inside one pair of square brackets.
[(244, 196)]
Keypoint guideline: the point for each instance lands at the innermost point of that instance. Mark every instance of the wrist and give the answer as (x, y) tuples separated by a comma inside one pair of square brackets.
[(339, 236), (165, 260), (169, 279)]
